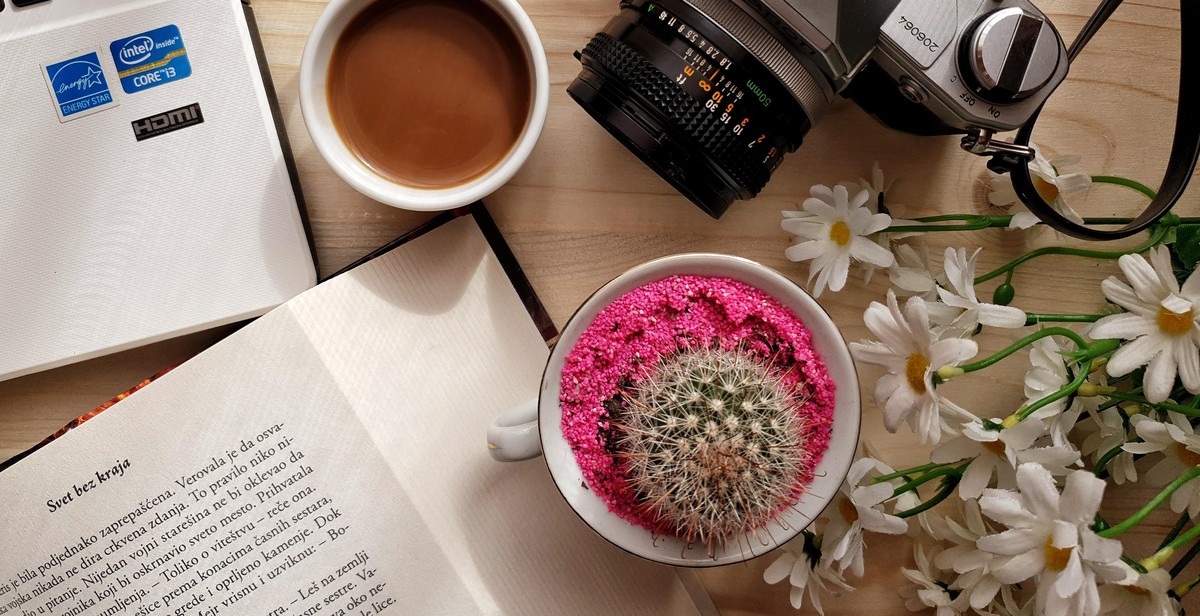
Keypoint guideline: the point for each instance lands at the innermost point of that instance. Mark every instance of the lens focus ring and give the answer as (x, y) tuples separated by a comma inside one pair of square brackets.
[(688, 115)]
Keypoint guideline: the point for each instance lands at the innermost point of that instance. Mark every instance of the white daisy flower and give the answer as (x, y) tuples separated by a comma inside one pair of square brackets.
[(964, 558), (1046, 376), (1161, 323), (804, 572), (911, 356), (1145, 596), (1051, 185), (1049, 536), (959, 272), (929, 590), (856, 509), (877, 188), (912, 274), (1059, 460), (833, 228), (905, 501), (994, 453), (1180, 446)]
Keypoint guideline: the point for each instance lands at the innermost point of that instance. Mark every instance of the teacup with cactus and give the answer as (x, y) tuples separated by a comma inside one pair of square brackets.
[(698, 410)]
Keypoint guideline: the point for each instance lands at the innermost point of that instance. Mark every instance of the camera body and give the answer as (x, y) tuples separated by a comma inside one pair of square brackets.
[(712, 93), (958, 64)]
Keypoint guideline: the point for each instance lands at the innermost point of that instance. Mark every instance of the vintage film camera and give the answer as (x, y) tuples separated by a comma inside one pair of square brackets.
[(711, 94)]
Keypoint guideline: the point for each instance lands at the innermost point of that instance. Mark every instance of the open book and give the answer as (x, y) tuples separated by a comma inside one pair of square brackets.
[(328, 458)]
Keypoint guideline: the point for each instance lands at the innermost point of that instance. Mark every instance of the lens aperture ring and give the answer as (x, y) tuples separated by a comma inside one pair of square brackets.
[(813, 95), (688, 115)]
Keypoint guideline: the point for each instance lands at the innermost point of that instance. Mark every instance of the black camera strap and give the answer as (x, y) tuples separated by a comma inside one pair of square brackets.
[(1185, 147)]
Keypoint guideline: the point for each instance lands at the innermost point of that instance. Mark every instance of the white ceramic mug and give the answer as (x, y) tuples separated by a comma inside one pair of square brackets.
[(536, 426), (314, 70)]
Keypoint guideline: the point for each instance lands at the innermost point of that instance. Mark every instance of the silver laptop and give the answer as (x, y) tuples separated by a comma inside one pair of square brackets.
[(144, 188)]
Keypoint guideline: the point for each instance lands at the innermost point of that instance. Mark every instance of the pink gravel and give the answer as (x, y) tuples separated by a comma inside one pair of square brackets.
[(630, 336)]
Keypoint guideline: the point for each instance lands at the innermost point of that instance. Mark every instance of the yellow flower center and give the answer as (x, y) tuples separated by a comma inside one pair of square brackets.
[(840, 233), (1187, 456), (1056, 558), (1047, 190), (996, 447), (1174, 323), (848, 510), (915, 369)]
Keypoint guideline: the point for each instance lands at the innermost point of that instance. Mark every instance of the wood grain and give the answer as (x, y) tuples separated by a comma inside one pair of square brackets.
[(583, 209)]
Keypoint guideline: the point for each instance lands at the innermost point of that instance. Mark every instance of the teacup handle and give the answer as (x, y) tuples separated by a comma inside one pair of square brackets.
[(514, 435)]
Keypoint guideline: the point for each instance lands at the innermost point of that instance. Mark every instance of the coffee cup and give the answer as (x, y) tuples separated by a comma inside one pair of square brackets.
[(536, 427), (411, 124)]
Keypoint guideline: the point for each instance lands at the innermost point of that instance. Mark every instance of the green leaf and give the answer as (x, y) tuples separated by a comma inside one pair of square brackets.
[(1186, 249)]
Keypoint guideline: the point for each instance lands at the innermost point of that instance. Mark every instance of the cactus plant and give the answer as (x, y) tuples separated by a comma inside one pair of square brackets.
[(713, 444)]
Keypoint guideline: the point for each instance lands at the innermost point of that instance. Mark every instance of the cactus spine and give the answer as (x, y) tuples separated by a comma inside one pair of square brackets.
[(713, 443)]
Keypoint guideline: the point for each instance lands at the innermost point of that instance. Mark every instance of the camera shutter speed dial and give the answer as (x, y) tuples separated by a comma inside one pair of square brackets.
[(1010, 54)]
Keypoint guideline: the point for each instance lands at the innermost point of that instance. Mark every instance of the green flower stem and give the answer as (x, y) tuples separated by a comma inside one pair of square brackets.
[(1179, 566), (1135, 565), (1022, 343), (1102, 463), (1182, 590), (948, 486), (1156, 237), (1149, 508), (930, 476), (1067, 390), (910, 471), (1175, 530), (965, 222), (1170, 406), (1033, 318), (1138, 186)]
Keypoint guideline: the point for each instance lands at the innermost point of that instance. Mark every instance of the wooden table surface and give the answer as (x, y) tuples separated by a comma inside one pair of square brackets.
[(583, 209)]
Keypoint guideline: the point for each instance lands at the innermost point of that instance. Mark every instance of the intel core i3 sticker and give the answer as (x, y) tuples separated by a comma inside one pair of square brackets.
[(150, 59), (78, 86)]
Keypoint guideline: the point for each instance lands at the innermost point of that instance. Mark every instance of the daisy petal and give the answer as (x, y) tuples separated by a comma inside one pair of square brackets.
[(780, 568), (976, 478), (1001, 316), (1146, 282), (1070, 579), (1160, 375), (1081, 497), (1100, 549), (1020, 567), (869, 252), (1160, 260), (1072, 182), (1011, 542), (1038, 491), (954, 450), (1124, 296), (1004, 507), (804, 251), (1188, 358), (1133, 355), (1125, 326)]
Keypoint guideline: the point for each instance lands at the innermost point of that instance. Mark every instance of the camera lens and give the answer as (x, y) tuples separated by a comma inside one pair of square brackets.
[(702, 92)]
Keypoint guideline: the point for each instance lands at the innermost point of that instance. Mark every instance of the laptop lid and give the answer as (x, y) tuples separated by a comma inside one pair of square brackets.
[(144, 190)]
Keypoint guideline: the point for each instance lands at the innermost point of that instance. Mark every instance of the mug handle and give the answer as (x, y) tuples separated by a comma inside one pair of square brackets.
[(514, 435)]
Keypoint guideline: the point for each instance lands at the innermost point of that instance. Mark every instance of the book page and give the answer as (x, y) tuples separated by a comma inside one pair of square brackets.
[(328, 458), (240, 483)]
